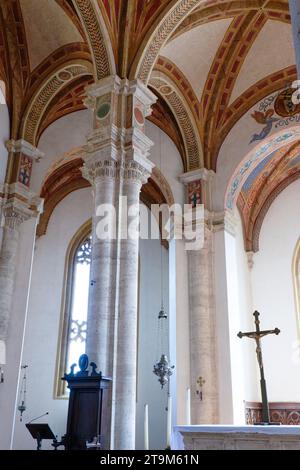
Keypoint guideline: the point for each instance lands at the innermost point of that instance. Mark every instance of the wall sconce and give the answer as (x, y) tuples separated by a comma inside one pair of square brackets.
[(200, 383)]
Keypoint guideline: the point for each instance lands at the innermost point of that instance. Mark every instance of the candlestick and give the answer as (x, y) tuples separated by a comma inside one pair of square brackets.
[(146, 428), (169, 422), (188, 407)]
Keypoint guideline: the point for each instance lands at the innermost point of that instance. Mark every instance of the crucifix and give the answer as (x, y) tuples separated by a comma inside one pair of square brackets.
[(257, 335)]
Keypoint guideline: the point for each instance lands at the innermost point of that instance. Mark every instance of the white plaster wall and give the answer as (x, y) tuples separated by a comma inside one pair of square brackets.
[(179, 328), (244, 385), (63, 135), (4, 136), (149, 390), (250, 390), (273, 294), (167, 158), (236, 360)]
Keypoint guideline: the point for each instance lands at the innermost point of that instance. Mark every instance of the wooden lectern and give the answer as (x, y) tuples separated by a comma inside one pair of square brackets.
[(89, 393)]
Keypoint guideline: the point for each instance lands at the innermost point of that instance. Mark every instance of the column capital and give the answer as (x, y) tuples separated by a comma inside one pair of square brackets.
[(18, 205), (224, 220), (24, 147), (22, 157), (200, 174), (95, 171), (118, 86), (199, 186)]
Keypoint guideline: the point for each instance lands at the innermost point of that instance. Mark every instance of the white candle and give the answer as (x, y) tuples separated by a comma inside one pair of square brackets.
[(188, 407), (169, 422), (146, 428)]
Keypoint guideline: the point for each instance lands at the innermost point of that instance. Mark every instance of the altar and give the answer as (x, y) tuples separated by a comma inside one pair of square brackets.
[(230, 437)]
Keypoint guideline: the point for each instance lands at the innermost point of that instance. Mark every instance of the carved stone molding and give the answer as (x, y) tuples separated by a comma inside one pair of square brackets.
[(95, 171), (183, 115), (103, 61), (21, 146), (225, 220), (163, 31), (287, 413), (51, 86)]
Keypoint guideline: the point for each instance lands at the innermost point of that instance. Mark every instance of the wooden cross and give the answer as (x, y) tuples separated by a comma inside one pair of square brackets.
[(257, 335)]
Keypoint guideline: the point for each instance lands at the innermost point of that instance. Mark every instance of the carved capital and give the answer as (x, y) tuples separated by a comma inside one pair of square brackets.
[(19, 205), (25, 148), (134, 172), (95, 171), (199, 186), (224, 220)]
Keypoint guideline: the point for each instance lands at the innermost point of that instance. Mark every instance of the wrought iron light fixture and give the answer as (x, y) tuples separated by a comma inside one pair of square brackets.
[(162, 368)]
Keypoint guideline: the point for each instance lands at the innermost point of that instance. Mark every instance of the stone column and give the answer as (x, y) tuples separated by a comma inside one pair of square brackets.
[(203, 364), (134, 175), (117, 164), (18, 205), (102, 175)]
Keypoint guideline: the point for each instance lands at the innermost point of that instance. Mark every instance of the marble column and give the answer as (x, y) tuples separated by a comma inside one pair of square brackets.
[(18, 205), (117, 165), (124, 397), (203, 363), (100, 324)]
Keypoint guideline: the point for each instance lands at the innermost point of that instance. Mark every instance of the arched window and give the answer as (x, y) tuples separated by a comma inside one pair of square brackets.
[(75, 305)]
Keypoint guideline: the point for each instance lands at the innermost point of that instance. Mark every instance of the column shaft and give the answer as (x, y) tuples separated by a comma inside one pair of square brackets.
[(126, 360), (8, 265), (202, 334), (100, 310)]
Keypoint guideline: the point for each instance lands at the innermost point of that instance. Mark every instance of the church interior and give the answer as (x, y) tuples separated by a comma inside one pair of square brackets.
[(191, 104)]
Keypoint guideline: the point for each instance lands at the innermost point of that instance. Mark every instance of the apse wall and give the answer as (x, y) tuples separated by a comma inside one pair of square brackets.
[(273, 294), (236, 363), (148, 388), (243, 366)]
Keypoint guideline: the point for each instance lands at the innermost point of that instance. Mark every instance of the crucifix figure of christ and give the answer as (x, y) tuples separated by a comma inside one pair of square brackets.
[(257, 335)]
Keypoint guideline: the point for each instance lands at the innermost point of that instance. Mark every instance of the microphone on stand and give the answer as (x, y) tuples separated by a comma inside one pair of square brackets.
[(34, 419)]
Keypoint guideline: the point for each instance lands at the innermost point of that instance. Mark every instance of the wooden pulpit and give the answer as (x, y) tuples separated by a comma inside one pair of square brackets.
[(89, 393)]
